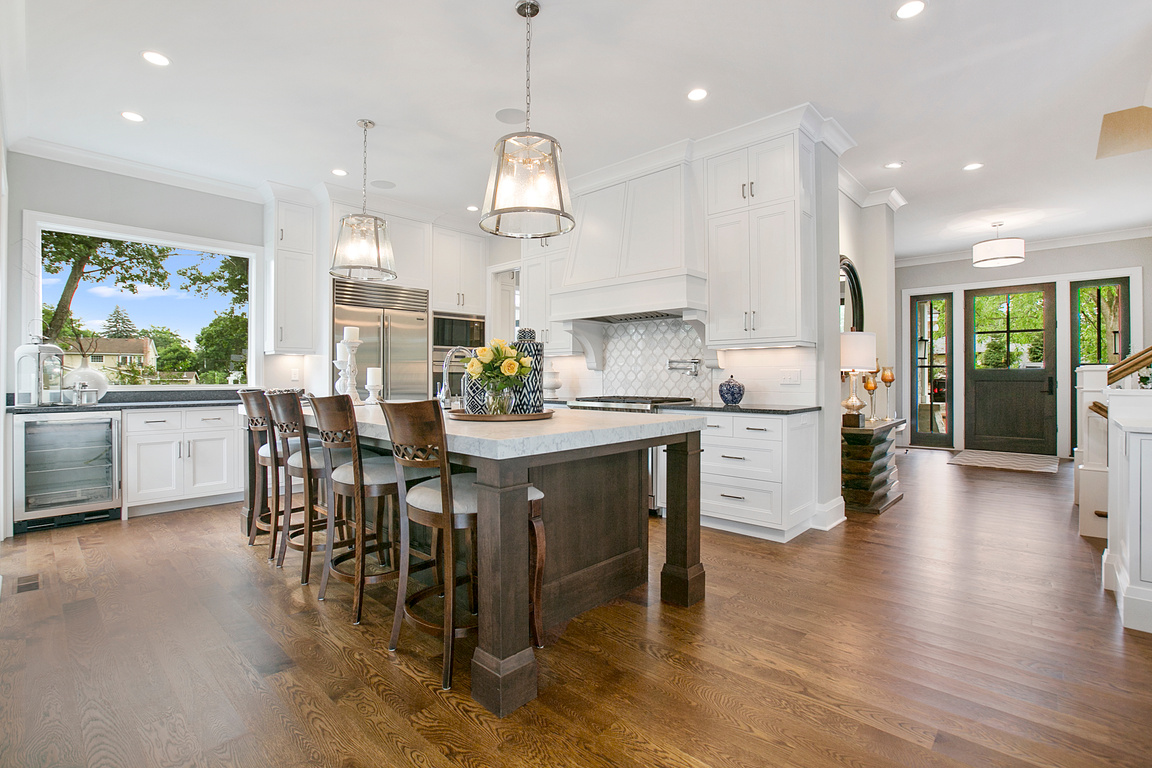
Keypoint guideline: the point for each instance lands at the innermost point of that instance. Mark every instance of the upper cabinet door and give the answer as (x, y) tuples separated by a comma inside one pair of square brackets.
[(294, 227), (473, 276), (728, 278), (727, 182), (293, 278), (775, 274), (653, 234), (534, 296), (410, 246), (772, 171), (598, 236), (445, 270)]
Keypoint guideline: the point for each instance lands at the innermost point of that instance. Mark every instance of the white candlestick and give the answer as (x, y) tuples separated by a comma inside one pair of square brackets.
[(341, 351), (375, 375), (351, 333)]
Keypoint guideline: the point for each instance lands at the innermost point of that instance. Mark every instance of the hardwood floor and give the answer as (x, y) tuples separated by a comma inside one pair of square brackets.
[(964, 626)]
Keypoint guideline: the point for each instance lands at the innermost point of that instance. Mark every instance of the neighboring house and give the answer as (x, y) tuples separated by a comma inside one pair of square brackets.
[(174, 378), (109, 354)]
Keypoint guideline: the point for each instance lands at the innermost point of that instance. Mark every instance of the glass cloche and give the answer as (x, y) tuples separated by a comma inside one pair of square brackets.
[(39, 374)]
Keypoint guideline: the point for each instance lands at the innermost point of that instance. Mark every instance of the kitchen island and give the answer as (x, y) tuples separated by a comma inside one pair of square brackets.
[(593, 470)]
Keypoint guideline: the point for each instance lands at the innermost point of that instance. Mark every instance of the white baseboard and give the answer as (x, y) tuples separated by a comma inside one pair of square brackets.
[(829, 514), (780, 536), (172, 506), (1134, 602), (1108, 565)]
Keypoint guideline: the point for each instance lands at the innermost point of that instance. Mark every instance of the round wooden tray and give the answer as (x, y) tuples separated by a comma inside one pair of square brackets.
[(461, 415)]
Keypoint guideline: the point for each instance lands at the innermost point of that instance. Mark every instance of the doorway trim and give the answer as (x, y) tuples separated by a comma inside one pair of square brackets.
[(1065, 376)]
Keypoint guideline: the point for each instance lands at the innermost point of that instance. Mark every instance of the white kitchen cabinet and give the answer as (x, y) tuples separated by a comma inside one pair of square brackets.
[(459, 273), (173, 454), (598, 236), (757, 473), (291, 318), (1128, 558), (540, 276), (758, 175), (759, 291)]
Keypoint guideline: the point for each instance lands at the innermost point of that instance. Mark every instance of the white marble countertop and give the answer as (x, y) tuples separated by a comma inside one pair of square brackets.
[(566, 430)]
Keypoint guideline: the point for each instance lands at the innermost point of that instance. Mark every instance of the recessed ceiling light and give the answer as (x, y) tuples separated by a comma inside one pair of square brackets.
[(510, 116), (473, 208), (895, 165), (132, 116), (697, 94), (973, 166), (158, 59), (339, 172), (910, 9), (382, 184)]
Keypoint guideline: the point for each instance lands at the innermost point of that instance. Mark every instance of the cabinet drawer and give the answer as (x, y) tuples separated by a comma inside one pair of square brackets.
[(718, 425), (741, 457), (209, 418), (759, 427), (746, 501), (153, 421)]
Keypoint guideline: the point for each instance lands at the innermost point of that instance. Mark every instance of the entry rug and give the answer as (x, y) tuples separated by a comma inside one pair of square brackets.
[(1018, 462)]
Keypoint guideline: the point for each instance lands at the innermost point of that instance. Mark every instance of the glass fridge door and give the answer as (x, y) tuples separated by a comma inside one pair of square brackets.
[(68, 464)]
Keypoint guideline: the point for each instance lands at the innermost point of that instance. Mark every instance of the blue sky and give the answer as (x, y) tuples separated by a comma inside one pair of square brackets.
[(183, 312)]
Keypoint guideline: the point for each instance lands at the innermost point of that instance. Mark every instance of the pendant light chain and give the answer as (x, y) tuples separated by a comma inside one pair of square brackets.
[(527, 72), (364, 178)]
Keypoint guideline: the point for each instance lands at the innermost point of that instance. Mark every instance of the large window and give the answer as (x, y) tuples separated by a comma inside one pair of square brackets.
[(932, 370), (1009, 330), (145, 314)]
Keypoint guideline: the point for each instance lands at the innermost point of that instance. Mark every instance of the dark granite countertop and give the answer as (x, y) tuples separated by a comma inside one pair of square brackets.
[(127, 406), (747, 408)]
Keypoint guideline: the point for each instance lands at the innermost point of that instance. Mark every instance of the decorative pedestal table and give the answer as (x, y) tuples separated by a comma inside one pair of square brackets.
[(868, 466)]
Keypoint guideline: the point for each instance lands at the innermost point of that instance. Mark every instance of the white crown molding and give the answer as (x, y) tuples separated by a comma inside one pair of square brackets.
[(852, 187), (85, 159), (889, 196), (1039, 245), (655, 160), (835, 137)]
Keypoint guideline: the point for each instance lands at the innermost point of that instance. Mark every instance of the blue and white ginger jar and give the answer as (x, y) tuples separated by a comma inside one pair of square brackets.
[(731, 391)]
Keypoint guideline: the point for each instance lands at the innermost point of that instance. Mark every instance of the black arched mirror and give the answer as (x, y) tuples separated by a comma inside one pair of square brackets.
[(851, 297)]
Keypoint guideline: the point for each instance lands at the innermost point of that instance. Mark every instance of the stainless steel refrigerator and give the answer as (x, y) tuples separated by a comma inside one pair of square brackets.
[(393, 323)]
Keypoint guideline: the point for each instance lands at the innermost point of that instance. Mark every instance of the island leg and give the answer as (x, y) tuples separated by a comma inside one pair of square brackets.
[(504, 665), (682, 579)]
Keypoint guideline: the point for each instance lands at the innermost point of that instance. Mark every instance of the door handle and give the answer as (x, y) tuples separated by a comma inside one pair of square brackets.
[(1051, 388), (744, 190)]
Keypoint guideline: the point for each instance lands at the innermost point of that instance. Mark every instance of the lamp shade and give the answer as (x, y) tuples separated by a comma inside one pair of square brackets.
[(857, 351), (999, 252), (527, 192), (363, 250)]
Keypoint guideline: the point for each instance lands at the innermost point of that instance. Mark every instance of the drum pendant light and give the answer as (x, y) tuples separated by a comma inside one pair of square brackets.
[(527, 192), (363, 250), (997, 252)]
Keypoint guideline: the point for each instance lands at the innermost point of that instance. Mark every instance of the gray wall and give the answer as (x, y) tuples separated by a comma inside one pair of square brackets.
[(50, 186)]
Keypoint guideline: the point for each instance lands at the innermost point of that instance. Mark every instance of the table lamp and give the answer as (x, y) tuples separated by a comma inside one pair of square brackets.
[(857, 353)]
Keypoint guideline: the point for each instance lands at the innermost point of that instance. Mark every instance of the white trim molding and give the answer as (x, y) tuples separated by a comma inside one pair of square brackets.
[(860, 195), (1033, 245)]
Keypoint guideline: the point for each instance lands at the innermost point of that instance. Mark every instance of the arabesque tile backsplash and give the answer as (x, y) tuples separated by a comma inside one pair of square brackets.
[(636, 357)]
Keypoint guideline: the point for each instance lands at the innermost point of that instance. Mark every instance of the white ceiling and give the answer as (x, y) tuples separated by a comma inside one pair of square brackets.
[(270, 91)]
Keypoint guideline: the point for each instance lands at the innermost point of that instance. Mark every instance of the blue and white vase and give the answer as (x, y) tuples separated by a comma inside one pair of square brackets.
[(731, 391), (525, 334), (530, 394), (475, 396)]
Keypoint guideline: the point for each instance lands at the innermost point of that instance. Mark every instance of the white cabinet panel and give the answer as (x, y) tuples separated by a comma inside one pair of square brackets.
[(410, 247), (598, 236), (774, 273), (737, 457), (293, 316), (651, 234), (772, 171), (459, 273), (153, 467), (728, 278), (209, 462), (473, 276), (160, 420), (557, 341), (533, 295), (210, 418), (294, 227), (746, 501), (726, 182)]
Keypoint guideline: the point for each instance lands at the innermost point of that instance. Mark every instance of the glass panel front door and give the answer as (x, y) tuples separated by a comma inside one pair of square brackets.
[(931, 371)]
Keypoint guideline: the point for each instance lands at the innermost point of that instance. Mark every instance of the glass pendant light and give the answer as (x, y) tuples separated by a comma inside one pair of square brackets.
[(363, 250), (527, 191), (997, 252)]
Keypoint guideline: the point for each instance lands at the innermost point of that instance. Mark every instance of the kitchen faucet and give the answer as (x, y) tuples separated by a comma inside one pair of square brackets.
[(444, 395)]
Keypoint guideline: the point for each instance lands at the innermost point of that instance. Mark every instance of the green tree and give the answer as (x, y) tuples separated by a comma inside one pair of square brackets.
[(176, 357), (130, 374), (163, 337), (120, 326), (96, 259), (229, 278), (221, 345), (995, 352)]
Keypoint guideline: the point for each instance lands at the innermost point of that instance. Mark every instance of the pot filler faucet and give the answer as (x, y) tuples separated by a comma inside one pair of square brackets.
[(444, 394)]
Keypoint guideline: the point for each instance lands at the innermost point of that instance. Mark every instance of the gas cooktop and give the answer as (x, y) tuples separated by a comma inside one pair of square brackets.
[(628, 402)]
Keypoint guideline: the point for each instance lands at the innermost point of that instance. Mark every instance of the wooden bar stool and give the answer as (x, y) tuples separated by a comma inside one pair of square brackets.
[(416, 431), (288, 419), (352, 480), (269, 455)]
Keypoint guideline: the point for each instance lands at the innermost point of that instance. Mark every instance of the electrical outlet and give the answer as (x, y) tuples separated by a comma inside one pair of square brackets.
[(790, 376), (295, 374)]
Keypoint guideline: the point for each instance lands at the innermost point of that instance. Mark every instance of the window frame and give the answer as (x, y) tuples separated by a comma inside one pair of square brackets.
[(36, 222)]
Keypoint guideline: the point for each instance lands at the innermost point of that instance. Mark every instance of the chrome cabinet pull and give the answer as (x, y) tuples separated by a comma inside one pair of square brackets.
[(713, 426), (756, 429), (727, 496), (744, 191), (156, 421), (753, 319), (281, 233), (738, 458), (281, 333), (189, 449), (752, 188), (745, 321), (179, 449)]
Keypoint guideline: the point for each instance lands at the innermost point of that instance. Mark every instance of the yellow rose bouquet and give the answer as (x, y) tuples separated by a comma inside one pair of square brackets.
[(498, 366)]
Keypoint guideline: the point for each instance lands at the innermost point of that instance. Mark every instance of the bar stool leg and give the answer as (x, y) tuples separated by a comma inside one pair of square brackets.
[(449, 545), (286, 524), (330, 532), (309, 525), (274, 509), (536, 572), (361, 532), (259, 499), (401, 583)]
